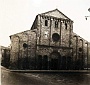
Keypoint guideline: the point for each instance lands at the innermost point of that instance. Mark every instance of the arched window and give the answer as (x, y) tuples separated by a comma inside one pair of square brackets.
[(39, 62), (46, 22), (80, 49), (56, 24), (63, 66), (45, 62), (66, 26), (25, 45)]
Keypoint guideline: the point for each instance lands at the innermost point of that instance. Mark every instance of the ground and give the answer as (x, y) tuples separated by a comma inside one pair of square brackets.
[(14, 78)]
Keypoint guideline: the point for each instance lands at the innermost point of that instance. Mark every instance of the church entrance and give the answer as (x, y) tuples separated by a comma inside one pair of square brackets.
[(54, 64), (55, 60)]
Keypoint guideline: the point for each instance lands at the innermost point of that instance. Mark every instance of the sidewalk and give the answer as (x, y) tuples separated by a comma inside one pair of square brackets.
[(51, 71), (48, 71)]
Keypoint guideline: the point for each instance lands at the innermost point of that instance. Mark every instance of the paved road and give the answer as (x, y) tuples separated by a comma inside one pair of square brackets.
[(13, 78)]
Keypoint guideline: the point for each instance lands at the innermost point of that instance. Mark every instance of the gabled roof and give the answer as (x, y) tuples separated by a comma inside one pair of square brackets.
[(56, 13), (74, 34), (19, 33)]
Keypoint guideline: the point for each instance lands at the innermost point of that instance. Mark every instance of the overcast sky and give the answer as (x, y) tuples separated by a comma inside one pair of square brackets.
[(18, 15)]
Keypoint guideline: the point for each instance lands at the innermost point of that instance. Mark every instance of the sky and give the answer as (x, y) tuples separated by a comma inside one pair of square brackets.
[(18, 15)]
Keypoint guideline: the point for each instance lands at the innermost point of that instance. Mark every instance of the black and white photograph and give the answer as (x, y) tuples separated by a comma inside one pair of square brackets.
[(45, 42)]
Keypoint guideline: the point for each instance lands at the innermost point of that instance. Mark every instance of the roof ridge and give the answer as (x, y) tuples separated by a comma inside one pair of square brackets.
[(58, 11), (49, 11)]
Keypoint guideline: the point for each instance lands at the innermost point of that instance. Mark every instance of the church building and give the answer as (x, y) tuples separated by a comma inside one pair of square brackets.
[(50, 44)]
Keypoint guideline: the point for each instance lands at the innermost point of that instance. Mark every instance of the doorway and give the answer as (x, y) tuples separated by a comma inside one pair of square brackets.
[(39, 62), (54, 64), (45, 62), (55, 60)]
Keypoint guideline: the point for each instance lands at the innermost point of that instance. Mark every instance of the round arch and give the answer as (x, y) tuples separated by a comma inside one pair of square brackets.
[(55, 55), (55, 60)]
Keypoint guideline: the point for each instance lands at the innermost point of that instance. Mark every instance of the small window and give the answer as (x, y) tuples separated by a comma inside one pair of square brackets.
[(56, 24), (80, 49), (25, 45), (66, 26), (46, 22)]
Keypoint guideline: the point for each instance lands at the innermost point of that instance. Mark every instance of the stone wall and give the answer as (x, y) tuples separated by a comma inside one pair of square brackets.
[(5, 56), (22, 46), (80, 49), (46, 32), (27, 46)]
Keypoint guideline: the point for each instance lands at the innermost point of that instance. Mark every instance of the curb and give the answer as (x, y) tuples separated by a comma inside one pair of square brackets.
[(51, 71)]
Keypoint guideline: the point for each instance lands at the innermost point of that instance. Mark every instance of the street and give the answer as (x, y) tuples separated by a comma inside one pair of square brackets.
[(14, 78)]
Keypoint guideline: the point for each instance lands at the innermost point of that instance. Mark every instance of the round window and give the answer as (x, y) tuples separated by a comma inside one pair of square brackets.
[(55, 37), (25, 45)]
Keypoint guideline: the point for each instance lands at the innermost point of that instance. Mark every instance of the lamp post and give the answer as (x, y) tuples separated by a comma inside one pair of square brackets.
[(87, 54), (18, 49), (87, 16)]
